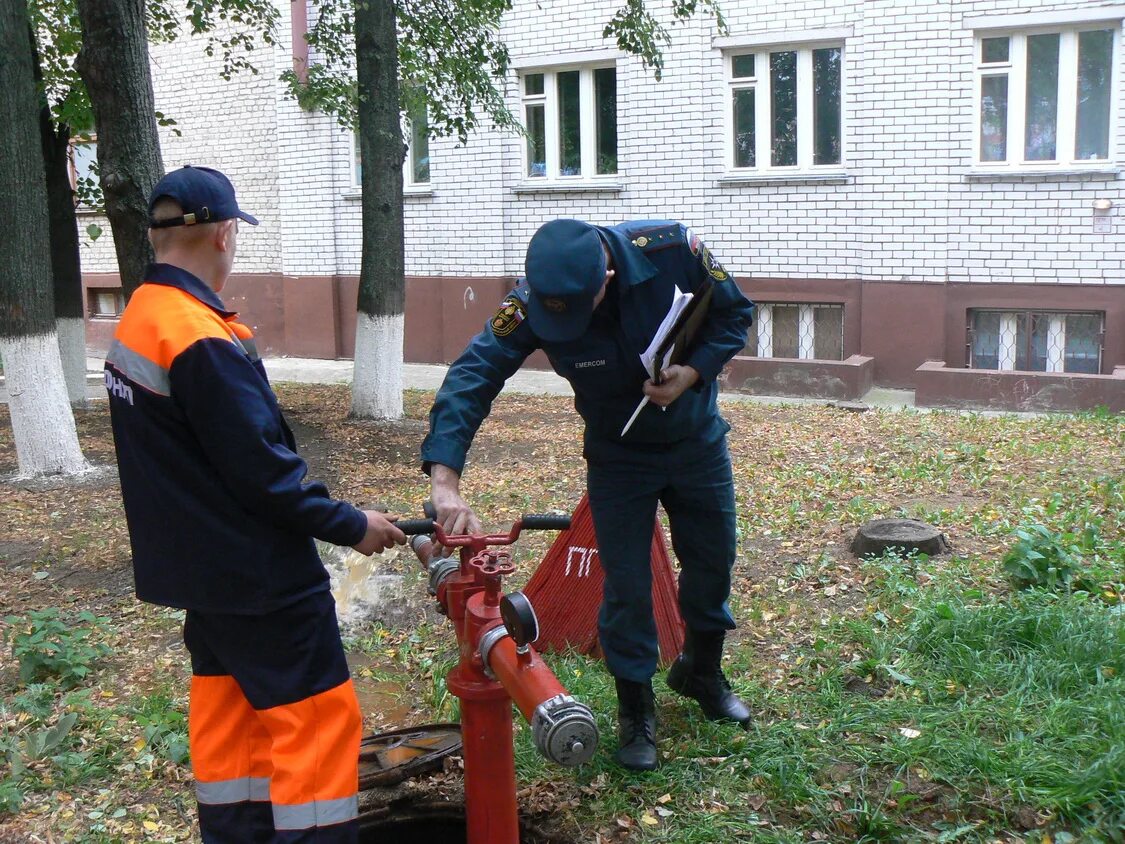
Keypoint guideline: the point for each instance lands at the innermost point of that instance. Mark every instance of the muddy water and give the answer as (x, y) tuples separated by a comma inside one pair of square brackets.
[(385, 703)]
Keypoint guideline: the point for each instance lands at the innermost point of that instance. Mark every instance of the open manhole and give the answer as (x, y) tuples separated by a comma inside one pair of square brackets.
[(389, 758), (430, 823)]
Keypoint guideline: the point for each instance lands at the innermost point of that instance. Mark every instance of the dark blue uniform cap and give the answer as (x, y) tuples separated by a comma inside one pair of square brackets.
[(565, 268), (205, 195)]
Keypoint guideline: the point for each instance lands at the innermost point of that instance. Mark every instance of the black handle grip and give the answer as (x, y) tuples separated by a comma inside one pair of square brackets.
[(545, 521), (415, 526), (429, 509)]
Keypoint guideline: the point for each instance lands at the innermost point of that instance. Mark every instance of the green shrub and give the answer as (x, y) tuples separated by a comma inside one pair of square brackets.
[(1085, 555), (49, 649), (1044, 559), (164, 726)]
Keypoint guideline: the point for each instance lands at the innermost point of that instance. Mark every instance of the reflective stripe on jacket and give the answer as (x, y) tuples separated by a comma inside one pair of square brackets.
[(220, 516)]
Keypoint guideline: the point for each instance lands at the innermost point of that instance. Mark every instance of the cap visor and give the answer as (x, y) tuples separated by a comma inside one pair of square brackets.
[(252, 220), (554, 327)]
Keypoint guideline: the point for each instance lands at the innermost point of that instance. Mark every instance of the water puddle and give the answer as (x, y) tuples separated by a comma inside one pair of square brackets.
[(384, 701)]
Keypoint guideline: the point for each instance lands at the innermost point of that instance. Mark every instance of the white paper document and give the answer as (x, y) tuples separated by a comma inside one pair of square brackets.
[(653, 366)]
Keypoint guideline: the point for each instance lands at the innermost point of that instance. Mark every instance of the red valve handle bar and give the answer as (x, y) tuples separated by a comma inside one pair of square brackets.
[(530, 521)]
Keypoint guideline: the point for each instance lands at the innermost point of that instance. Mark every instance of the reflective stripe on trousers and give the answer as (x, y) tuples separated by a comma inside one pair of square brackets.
[(301, 760)]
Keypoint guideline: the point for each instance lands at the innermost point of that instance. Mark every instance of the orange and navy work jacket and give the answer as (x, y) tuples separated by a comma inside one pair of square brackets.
[(220, 516)]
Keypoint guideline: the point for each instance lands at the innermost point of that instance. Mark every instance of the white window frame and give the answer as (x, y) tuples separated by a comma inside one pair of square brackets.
[(409, 186), (1066, 117), (588, 142), (90, 141), (94, 297), (763, 142)]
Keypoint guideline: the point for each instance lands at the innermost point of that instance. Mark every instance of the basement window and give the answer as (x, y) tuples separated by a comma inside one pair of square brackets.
[(802, 331), (104, 302), (1035, 341)]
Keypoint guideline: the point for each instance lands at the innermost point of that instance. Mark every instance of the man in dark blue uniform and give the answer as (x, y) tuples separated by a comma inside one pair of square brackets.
[(593, 300)]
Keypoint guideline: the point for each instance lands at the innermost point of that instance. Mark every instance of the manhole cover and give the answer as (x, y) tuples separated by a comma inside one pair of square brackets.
[(389, 758)]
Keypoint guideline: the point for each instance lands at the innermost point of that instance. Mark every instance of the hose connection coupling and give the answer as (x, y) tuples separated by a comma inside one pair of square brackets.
[(564, 731), (437, 567)]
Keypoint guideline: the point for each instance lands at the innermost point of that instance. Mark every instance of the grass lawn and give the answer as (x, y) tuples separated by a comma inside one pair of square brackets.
[(978, 696)]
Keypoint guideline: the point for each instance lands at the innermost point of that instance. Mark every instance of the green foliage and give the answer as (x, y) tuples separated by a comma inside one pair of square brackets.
[(11, 796), (1043, 558), (451, 58), (234, 28), (1061, 548), (638, 32), (164, 727), (48, 648), (450, 61), (38, 735), (48, 741)]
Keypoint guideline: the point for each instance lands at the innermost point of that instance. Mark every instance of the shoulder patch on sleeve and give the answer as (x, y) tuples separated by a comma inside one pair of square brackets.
[(508, 316), (713, 267)]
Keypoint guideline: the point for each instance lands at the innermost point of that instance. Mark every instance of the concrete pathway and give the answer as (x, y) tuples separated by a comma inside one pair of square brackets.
[(531, 381), (418, 376)]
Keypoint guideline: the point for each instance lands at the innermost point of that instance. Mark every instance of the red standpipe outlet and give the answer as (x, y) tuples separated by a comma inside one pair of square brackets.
[(494, 670)]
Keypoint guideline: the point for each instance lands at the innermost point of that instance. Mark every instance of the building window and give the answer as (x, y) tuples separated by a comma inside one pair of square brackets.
[(416, 170), (805, 332), (785, 109), (1035, 341), (571, 121), (84, 170), (104, 302), (1045, 97), (416, 164)]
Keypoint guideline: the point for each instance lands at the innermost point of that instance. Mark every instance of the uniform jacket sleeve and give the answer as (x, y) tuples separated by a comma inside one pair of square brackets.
[(723, 334), (470, 386), (234, 414)]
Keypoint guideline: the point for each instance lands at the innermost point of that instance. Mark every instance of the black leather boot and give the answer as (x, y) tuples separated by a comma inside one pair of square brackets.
[(698, 673), (636, 725)]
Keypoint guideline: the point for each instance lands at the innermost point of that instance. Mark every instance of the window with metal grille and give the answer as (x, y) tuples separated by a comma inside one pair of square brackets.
[(802, 331), (1035, 341)]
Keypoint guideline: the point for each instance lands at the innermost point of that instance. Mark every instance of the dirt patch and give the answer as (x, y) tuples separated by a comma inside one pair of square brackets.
[(15, 553)]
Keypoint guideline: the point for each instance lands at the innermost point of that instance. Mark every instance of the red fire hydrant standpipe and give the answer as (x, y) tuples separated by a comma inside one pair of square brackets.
[(497, 666)]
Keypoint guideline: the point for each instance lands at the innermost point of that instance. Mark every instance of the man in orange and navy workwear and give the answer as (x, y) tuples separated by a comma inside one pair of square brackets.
[(222, 523)]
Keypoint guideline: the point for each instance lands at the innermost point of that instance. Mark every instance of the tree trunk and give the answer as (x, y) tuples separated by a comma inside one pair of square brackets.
[(377, 382), (113, 63), (42, 421), (65, 262)]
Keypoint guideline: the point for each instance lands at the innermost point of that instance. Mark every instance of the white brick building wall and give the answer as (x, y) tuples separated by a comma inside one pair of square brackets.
[(906, 211)]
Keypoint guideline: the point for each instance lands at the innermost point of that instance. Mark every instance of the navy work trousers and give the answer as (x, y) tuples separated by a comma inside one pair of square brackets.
[(693, 480), (274, 726)]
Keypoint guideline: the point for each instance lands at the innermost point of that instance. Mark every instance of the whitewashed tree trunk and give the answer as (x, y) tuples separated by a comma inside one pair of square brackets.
[(72, 351), (377, 385), (42, 422), (377, 375)]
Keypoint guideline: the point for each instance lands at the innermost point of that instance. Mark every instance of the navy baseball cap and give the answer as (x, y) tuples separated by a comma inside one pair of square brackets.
[(565, 268), (205, 195)]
